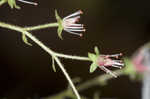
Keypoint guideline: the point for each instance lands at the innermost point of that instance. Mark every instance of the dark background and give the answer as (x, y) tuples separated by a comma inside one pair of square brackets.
[(113, 25)]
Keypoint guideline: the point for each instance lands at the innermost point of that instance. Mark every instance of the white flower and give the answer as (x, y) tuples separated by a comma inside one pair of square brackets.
[(28, 2), (69, 23)]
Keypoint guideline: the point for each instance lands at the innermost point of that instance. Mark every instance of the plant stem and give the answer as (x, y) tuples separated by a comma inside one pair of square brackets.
[(38, 27), (2, 2), (100, 80), (146, 85), (44, 47), (72, 57), (93, 82)]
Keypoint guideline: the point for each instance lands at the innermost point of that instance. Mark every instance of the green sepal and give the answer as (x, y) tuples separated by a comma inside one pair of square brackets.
[(92, 56), (96, 50), (12, 4), (59, 31), (93, 67), (53, 64), (60, 26), (25, 40), (3, 2)]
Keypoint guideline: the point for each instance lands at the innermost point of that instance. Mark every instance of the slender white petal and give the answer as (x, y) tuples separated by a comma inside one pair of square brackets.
[(71, 27), (28, 2), (120, 64), (73, 32), (107, 71), (74, 14), (116, 66), (76, 24), (74, 19)]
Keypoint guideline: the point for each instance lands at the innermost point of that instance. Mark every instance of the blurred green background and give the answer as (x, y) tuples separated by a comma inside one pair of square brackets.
[(113, 25)]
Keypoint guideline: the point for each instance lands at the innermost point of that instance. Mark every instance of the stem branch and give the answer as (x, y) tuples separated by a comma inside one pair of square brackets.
[(72, 57), (44, 47), (38, 27)]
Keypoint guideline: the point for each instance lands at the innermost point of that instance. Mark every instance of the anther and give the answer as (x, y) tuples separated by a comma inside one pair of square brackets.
[(81, 12)]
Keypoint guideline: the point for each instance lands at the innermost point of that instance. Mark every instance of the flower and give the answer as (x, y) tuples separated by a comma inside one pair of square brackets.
[(69, 23), (104, 61)]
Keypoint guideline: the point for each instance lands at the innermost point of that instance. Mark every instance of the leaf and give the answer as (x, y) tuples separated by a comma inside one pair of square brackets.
[(93, 67), (12, 4), (25, 40), (92, 56), (60, 26), (96, 50), (53, 64)]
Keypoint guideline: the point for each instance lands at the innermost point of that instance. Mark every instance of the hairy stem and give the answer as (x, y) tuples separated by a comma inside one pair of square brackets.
[(100, 80), (72, 57), (90, 83), (44, 47), (39, 27), (146, 85)]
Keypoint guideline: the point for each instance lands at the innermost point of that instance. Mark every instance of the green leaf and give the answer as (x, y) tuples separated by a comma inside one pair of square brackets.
[(93, 67), (12, 4), (60, 26), (53, 64), (96, 50), (92, 56), (25, 40)]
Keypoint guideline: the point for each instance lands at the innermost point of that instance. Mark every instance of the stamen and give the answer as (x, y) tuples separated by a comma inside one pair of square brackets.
[(74, 14), (74, 19), (116, 66), (72, 27), (107, 71), (114, 55), (76, 24), (33, 3), (119, 64), (77, 30), (79, 34), (119, 61)]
